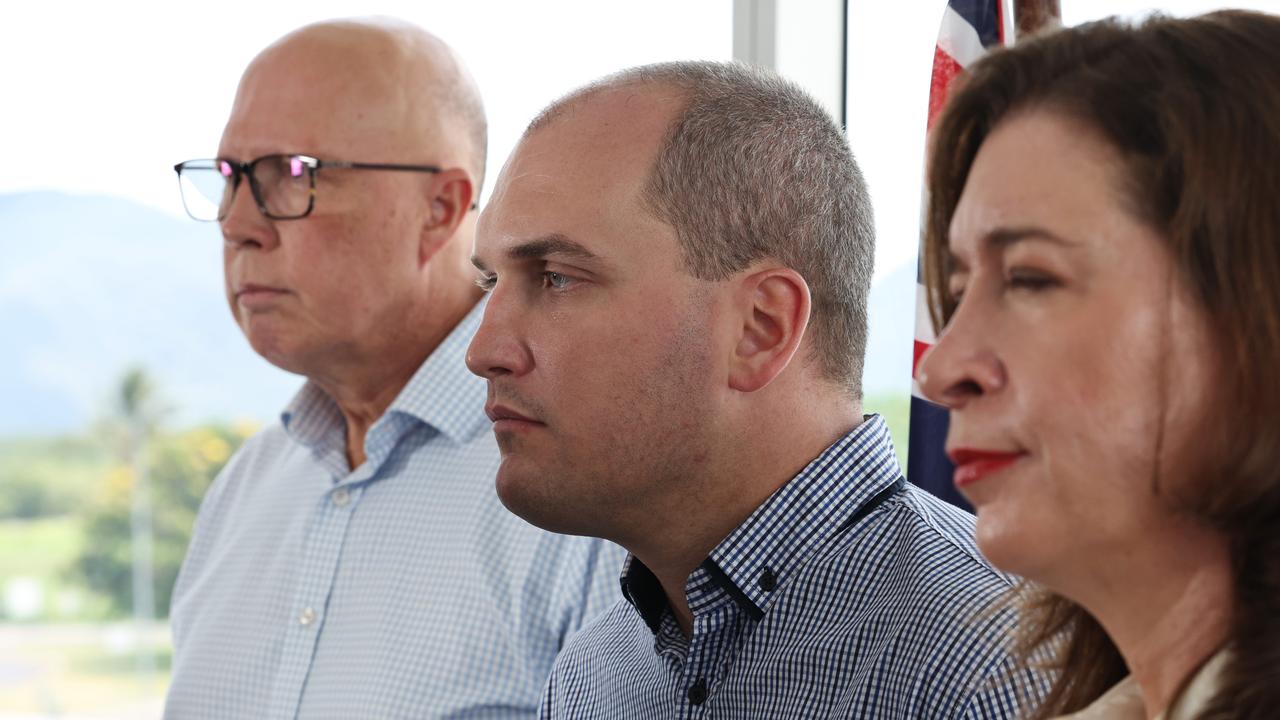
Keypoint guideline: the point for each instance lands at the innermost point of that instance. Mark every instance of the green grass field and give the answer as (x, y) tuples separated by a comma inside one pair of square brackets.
[(69, 668), (35, 562), (83, 669), (38, 556), (37, 547)]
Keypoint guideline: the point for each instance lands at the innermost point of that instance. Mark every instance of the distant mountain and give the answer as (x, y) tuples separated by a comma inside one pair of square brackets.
[(92, 285)]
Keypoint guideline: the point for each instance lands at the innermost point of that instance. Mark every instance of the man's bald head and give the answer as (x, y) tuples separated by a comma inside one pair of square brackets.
[(388, 91), (377, 272)]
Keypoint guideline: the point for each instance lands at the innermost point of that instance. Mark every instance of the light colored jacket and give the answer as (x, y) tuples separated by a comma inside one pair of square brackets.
[(1124, 701)]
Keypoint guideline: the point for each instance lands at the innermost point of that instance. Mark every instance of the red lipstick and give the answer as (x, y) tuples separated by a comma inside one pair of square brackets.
[(973, 465)]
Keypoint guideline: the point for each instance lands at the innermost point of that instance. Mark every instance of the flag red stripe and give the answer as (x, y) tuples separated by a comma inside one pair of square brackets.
[(920, 349), (945, 69)]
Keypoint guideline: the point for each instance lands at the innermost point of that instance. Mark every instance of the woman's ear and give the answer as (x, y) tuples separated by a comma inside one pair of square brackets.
[(774, 307)]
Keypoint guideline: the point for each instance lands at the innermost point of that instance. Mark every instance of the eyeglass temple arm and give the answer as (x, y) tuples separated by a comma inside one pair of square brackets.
[(384, 166)]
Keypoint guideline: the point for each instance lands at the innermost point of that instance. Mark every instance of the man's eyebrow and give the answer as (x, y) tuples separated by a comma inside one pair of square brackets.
[(542, 248), (554, 244)]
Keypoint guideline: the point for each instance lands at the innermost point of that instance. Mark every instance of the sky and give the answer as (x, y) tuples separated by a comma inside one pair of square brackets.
[(106, 97)]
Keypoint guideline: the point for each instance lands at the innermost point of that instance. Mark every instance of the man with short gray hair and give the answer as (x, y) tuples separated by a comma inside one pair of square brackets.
[(678, 259)]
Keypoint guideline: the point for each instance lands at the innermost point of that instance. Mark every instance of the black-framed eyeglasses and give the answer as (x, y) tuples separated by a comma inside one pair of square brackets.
[(283, 186)]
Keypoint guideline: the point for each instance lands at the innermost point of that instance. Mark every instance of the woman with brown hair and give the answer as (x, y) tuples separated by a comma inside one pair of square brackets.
[(1103, 257)]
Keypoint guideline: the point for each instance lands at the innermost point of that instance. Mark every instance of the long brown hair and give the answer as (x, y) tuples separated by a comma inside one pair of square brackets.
[(1193, 108)]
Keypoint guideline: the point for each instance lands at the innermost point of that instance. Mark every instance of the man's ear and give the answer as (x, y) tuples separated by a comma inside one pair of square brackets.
[(774, 306), (452, 195)]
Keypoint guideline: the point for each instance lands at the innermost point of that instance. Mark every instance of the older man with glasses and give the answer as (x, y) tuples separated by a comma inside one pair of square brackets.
[(353, 560)]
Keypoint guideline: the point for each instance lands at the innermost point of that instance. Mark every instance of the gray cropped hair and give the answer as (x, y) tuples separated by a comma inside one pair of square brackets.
[(755, 168)]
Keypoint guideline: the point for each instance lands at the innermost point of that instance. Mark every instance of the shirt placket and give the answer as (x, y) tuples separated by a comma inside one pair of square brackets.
[(711, 640), (319, 568)]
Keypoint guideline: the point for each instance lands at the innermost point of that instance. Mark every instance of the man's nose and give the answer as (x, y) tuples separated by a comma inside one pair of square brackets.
[(244, 224), (498, 349)]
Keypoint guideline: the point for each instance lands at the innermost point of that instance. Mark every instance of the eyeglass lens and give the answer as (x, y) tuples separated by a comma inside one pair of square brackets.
[(281, 184)]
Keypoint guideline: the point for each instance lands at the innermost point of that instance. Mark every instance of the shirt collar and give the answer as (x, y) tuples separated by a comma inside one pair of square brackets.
[(641, 588), (313, 419), (1124, 700), (1200, 690), (442, 394), (831, 493)]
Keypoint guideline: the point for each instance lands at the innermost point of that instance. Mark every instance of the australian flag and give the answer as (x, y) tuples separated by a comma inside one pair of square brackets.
[(969, 29)]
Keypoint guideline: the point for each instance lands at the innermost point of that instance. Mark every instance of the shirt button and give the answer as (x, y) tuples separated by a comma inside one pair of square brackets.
[(698, 692), (767, 580), (307, 617), (341, 497)]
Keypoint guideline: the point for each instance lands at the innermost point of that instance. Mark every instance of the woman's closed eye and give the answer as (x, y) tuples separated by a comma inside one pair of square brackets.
[(1030, 280)]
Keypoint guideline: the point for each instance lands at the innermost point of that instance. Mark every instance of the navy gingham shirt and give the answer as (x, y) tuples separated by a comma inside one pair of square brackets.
[(846, 594)]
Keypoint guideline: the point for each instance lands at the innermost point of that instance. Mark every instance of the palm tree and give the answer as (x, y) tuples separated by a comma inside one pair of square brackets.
[(138, 412)]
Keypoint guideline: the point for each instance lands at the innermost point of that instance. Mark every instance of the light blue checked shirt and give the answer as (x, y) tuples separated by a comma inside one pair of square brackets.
[(402, 589), (846, 594)]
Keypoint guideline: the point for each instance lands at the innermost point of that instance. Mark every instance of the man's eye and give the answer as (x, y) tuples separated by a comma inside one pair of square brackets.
[(486, 282), (555, 280)]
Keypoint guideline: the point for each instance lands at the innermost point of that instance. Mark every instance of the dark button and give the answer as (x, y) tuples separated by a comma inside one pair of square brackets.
[(698, 692), (767, 581)]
